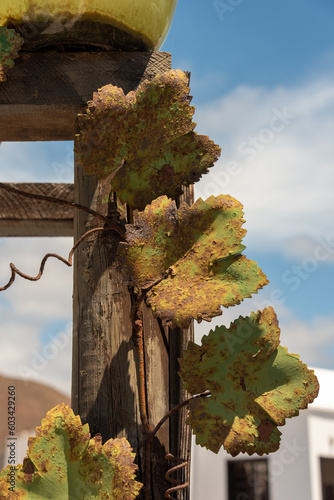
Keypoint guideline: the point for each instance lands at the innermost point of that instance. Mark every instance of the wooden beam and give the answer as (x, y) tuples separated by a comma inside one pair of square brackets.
[(21, 216), (45, 91)]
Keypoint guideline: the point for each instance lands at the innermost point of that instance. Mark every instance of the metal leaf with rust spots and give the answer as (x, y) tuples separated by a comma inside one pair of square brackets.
[(144, 140), (195, 252), (255, 385), (10, 44), (63, 462), (120, 455)]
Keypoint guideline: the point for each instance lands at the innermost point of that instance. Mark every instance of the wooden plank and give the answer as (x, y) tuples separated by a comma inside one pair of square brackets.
[(45, 91), (21, 216)]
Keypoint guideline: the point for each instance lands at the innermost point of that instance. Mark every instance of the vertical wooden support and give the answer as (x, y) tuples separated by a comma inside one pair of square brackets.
[(105, 376), (40, 100)]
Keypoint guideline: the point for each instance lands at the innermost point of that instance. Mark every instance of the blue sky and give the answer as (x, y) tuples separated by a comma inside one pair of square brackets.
[(261, 77), (261, 42)]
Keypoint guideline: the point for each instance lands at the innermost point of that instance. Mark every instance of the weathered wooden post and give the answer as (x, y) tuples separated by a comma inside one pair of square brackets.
[(105, 361), (40, 100)]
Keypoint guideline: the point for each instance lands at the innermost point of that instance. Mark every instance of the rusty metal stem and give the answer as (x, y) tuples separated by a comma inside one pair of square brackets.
[(141, 366), (149, 439), (139, 332), (175, 409)]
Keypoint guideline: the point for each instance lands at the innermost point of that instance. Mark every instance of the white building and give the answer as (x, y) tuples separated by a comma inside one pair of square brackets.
[(302, 469)]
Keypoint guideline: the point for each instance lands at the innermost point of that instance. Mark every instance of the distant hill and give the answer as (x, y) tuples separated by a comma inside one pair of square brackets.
[(33, 401)]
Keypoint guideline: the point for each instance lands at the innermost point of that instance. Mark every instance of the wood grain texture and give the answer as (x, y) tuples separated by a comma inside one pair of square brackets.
[(21, 216), (105, 377), (45, 91), (180, 432)]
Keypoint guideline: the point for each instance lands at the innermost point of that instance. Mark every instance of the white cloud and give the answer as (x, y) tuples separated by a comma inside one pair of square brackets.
[(51, 296), (36, 162), (306, 247), (24, 355), (28, 310), (281, 144), (312, 340)]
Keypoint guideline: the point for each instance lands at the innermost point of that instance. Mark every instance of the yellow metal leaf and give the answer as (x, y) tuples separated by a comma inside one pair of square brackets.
[(191, 259), (144, 140), (255, 385)]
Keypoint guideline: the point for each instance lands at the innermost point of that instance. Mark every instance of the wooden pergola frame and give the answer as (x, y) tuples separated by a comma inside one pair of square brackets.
[(40, 101)]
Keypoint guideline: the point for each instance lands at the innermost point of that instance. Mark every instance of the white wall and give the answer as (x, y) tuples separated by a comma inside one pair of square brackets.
[(208, 474), (321, 438), (294, 470), (289, 467)]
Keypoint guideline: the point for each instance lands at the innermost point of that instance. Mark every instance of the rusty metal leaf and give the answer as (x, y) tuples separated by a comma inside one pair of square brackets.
[(191, 258), (120, 455), (63, 462), (255, 385), (10, 44), (145, 139)]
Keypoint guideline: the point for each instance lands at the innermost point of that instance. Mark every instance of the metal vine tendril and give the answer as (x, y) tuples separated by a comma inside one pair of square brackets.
[(179, 485), (110, 225), (68, 262), (169, 456)]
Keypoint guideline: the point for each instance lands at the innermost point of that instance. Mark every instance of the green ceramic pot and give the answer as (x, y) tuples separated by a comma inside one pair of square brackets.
[(110, 24)]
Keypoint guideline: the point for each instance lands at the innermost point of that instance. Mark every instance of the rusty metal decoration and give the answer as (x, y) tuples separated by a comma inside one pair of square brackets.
[(10, 44), (64, 462), (255, 385), (110, 224), (189, 260), (185, 263), (144, 140), (68, 262), (178, 484)]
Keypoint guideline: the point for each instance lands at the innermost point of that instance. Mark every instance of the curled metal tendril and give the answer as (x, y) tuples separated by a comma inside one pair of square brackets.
[(179, 485), (68, 262)]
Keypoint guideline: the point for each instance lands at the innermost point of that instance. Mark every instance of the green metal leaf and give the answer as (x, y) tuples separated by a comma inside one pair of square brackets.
[(63, 462), (255, 385), (10, 44), (145, 139), (195, 254)]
